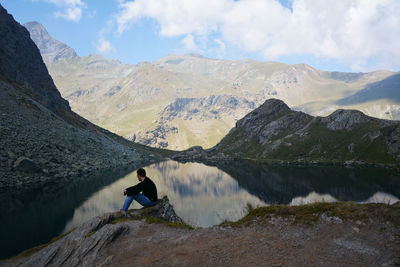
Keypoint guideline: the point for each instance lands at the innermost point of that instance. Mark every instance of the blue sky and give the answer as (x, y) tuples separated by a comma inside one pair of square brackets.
[(336, 35)]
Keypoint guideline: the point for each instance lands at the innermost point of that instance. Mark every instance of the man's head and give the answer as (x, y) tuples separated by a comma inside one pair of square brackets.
[(141, 174)]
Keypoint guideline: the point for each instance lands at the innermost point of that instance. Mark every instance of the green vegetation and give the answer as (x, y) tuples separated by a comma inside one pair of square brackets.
[(311, 141), (309, 214), (149, 217), (333, 146)]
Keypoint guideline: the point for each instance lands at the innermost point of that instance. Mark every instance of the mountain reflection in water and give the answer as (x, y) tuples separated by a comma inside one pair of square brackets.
[(206, 195), (282, 184), (201, 195)]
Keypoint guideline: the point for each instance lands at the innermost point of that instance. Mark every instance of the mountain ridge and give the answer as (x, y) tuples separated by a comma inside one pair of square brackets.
[(130, 99), (273, 131), (26, 70)]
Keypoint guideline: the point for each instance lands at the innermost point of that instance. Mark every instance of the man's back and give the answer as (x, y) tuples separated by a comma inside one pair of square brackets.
[(148, 188)]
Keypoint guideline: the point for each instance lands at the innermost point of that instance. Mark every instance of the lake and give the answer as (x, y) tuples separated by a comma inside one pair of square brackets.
[(202, 195)]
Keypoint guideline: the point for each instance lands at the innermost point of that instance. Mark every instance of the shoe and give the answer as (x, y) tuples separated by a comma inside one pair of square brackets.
[(123, 213)]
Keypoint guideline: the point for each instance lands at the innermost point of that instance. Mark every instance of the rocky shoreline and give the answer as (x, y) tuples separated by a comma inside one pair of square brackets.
[(198, 154), (318, 234), (38, 147)]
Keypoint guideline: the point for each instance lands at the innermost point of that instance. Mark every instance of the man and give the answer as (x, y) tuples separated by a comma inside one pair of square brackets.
[(147, 198)]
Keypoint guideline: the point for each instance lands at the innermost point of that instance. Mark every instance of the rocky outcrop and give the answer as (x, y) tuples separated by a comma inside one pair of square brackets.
[(26, 165), (157, 137), (291, 122), (275, 132), (346, 119), (211, 107), (203, 109), (270, 107), (194, 153), (47, 45), (83, 245)]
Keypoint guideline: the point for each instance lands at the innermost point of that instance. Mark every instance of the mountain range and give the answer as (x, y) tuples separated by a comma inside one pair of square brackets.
[(184, 100)]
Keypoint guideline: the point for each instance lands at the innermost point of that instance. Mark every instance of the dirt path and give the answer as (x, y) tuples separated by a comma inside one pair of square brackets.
[(276, 243)]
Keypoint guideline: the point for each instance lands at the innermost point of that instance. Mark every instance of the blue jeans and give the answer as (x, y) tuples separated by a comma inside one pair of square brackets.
[(140, 198)]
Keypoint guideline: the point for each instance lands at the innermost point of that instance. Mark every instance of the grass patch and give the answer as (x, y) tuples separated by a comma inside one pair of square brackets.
[(151, 220), (126, 219), (309, 214), (90, 234)]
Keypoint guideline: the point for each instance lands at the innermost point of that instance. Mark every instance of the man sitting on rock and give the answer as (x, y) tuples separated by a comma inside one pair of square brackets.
[(145, 192)]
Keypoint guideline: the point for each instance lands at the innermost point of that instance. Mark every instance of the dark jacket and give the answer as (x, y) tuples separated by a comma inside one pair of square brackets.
[(147, 187)]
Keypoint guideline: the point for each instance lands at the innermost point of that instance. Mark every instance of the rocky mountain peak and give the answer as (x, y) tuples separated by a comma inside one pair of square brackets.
[(270, 107), (273, 105), (21, 64), (344, 119), (47, 45)]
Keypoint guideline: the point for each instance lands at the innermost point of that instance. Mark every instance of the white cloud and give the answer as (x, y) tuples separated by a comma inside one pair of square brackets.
[(104, 46), (66, 2), (175, 17), (352, 31), (73, 14), (220, 51), (189, 43), (68, 9)]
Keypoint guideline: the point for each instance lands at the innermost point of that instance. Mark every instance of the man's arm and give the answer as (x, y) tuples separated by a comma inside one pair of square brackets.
[(136, 189)]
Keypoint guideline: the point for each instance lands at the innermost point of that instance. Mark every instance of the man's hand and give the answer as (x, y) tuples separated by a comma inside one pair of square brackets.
[(125, 192)]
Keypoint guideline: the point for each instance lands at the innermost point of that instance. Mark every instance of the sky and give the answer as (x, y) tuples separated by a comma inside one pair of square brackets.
[(334, 35)]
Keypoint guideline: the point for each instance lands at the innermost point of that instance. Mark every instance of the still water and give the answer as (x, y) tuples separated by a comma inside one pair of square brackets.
[(202, 195)]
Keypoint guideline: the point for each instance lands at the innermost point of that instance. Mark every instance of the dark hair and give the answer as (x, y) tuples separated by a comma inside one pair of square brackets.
[(141, 172)]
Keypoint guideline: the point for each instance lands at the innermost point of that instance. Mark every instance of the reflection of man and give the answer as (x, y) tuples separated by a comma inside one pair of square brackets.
[(145, 192)]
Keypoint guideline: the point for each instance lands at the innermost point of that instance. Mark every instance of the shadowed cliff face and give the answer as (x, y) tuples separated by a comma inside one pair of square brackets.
[(21, 64)]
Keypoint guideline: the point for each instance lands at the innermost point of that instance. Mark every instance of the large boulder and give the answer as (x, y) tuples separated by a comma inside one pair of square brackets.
[(162, 210), (27, 165), (86, 243)]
